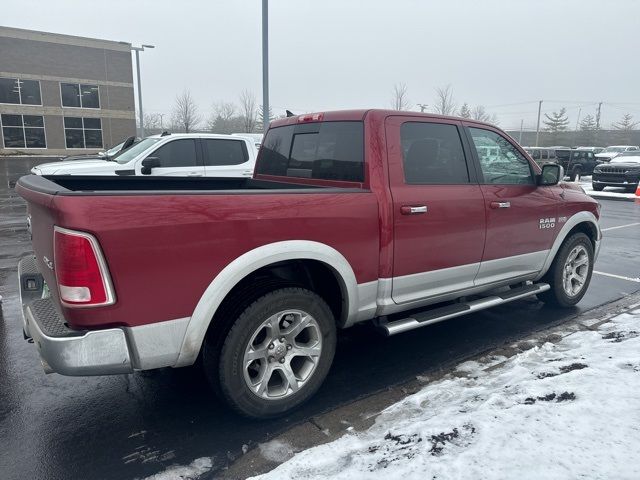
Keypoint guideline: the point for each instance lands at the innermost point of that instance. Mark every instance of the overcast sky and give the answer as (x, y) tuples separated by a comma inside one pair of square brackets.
[(335, 54)]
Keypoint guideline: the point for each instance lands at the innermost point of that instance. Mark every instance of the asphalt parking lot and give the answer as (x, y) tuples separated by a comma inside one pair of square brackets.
[(133, 426)]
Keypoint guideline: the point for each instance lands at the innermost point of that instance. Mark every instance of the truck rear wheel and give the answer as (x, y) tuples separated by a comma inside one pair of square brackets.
[(277, 353), (570, 272)]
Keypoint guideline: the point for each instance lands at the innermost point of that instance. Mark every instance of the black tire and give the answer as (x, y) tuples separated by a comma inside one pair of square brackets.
[(556, 295), (226, 369), (597, 187), (631, 189)]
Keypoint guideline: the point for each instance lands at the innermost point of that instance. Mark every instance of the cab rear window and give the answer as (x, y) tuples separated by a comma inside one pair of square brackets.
[(323, 150)]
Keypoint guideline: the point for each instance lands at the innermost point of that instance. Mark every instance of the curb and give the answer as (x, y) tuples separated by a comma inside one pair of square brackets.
[(615, 199), (362, 413)]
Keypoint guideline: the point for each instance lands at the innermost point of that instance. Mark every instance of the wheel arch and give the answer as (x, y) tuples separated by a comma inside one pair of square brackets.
[(585, 222), (302, 253)]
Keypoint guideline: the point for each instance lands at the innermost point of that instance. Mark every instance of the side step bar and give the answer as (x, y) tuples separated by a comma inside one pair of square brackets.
[(429, 317)]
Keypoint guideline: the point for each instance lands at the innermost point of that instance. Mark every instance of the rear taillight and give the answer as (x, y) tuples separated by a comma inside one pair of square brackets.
[(80, 269)]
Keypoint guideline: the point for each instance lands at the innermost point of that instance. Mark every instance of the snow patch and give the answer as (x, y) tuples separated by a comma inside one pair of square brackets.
[(561, 410), (276, 451), (192, 471)]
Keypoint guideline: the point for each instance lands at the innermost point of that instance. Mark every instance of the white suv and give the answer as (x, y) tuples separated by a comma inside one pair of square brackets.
[(181, 154), (613, 151)]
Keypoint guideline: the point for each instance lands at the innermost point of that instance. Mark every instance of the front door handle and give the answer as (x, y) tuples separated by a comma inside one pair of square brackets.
[(413, 209), (500, 204)]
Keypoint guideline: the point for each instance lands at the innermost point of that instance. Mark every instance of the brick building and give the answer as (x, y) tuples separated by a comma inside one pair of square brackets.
[(62, 95)]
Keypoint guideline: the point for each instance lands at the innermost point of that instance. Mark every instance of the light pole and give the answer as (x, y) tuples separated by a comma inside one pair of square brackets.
[(138, 50), (265, 65), (538, 124)]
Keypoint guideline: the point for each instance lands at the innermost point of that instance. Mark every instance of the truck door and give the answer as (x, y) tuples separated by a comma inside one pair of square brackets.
[(438, 209), (522, 217), (177, 158)]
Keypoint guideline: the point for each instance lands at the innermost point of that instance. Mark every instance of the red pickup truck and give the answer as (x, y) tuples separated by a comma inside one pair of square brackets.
[(399, 218)]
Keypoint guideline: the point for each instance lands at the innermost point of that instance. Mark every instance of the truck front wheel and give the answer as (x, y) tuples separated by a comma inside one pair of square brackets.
[(570, 273), (277, 353)]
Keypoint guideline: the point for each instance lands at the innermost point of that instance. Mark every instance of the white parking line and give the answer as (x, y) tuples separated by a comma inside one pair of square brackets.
[(621, 226), (636, 280)]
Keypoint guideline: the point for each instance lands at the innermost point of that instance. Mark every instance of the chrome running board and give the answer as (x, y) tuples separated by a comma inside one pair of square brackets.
[(428, 317)]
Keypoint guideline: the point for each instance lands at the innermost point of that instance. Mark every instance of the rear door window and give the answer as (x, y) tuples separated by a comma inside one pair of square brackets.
[(222, 152), (432, 153), (323, 150)]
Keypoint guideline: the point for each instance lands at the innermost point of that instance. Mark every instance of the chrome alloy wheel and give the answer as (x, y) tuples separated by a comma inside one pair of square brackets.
[(282, 354), (576, 270)]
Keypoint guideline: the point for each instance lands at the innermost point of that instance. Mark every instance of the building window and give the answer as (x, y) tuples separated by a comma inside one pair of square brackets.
[(23, 131), (83, 132), (80, 95), (20, 92)]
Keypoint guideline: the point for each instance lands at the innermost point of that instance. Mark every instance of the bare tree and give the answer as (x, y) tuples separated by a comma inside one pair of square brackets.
[(445, 104), (465, 111), (248, 110), (152, 123), (400, 100), (223, 117), (185, 115)]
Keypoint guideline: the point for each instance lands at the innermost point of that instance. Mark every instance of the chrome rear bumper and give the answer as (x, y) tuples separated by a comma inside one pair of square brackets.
[(66, 351)]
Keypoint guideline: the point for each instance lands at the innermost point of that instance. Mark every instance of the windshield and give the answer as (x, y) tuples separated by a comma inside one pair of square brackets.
[(612, 150), (130, 153), (113, 150), (627, 158)]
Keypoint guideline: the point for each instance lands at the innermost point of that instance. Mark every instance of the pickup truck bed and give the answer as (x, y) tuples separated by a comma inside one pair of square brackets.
[(102, 185)]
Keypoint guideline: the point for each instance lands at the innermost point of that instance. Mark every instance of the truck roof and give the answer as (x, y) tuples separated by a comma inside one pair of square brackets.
[(360, 114)]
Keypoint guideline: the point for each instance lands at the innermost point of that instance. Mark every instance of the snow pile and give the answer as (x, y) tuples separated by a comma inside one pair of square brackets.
[(559, 411), (192, 471), (611, 192)]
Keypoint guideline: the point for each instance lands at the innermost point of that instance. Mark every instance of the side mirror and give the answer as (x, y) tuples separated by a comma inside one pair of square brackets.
[(148, 164), (551, 174), (102, 154)]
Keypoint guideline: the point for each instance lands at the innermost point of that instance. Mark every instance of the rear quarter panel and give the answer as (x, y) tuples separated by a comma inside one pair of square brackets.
[(163, 251)]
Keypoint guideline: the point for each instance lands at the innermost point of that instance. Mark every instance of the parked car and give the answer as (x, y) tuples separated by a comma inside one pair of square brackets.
[(613, 151), (256, 137), (542, 155), (105, 155), (591, 149), (621, 171), (576, 163), (352, 216), (182, 154)]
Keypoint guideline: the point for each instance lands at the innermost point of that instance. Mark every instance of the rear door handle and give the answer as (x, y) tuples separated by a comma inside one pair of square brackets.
[(413, 209), (500, 204), (194, 174)]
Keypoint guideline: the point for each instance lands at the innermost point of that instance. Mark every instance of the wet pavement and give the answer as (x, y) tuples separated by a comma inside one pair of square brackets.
[(133, 426)]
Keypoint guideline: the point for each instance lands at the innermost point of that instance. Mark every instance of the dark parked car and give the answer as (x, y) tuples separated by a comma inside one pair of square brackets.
[(576, 163), (621, 171), (542, 155)]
